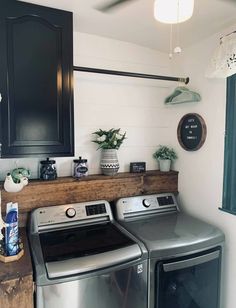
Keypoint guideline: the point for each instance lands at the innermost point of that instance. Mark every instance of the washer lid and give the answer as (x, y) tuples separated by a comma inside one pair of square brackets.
[(86, 248), (170, 234), (90, 263)]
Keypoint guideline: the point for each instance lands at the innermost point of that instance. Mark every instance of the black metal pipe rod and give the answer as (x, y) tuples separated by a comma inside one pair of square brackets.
[(129, 74)]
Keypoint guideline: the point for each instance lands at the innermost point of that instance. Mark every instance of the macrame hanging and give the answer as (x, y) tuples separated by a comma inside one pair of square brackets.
[(223, 62)]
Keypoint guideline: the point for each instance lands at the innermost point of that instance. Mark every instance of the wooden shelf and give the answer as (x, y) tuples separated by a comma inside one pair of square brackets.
[(66, 190), (19, 268), (16, 280)]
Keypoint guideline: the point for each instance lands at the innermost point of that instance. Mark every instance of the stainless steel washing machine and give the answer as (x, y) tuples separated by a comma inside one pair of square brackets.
[(185, 253), (83, 259)]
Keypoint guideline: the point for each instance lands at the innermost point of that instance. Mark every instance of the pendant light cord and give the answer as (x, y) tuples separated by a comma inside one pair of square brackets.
[(178, 26), (171, 41)]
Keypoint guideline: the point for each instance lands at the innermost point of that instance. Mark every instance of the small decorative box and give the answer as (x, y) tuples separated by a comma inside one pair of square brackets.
[(137, 167)]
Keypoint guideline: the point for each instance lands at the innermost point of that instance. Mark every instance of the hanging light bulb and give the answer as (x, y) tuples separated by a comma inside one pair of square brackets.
[(177, 49), (173, 11)]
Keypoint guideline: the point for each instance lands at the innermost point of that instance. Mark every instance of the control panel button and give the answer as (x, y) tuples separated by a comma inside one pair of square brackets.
[(146, 202), (70, 212)]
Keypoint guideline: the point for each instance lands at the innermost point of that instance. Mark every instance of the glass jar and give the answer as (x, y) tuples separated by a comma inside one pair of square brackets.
[(79, 168), (48, 170)]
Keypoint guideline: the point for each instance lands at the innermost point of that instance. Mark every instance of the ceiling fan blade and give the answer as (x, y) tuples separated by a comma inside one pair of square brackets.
[(229, 1), (111, 5)]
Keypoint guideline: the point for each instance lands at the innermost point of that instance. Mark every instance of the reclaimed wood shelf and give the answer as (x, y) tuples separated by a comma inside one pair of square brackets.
[(16, 280), (66, 190)]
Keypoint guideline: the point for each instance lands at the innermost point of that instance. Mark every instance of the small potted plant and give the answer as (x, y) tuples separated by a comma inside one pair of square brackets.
[(165, 156), (109, 141)]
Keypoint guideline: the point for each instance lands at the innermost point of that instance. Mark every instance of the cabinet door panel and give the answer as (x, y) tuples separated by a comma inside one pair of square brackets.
[(39, 110)]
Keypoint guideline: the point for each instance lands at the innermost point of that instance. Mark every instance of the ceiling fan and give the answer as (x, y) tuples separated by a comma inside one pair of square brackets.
[(113, 4)]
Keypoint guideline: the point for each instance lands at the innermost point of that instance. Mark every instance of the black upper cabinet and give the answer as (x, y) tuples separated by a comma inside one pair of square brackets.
[(36, 72)]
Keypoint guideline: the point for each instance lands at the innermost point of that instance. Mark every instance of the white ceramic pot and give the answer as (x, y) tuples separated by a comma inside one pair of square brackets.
[(109, 162), (164, 164)]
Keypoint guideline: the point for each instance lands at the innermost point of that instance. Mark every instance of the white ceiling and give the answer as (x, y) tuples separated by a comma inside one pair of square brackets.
[(134, 22)]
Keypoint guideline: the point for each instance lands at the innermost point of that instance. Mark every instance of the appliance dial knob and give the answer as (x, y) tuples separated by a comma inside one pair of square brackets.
[(70, 212), (146, 202)]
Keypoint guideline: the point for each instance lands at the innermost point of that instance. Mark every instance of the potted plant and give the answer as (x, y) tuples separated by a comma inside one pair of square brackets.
[(109, 141), (164, 155)]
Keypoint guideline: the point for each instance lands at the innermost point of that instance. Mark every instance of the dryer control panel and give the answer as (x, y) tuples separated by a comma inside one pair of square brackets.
[(145, 205)]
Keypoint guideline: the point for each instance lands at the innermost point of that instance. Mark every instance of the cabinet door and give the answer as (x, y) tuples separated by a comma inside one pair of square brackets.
[(36, 69)]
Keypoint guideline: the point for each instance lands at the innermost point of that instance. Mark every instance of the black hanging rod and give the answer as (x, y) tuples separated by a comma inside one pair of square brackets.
[(129, 74)]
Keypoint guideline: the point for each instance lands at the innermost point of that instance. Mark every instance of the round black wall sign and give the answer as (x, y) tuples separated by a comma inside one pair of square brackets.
[(191, 132)]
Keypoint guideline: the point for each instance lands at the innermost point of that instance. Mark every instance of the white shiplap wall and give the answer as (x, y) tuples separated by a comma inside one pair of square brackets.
[(101, 101), (201, 172)]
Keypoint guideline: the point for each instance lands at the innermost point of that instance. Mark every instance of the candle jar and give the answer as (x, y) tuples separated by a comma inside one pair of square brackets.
[(80, 168), (48, 170)]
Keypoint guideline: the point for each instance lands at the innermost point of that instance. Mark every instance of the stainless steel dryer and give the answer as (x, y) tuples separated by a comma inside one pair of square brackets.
[(184, 253), (84, 259)]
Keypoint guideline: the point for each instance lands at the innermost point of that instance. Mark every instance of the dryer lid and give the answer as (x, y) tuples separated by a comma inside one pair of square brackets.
[(174, 233)]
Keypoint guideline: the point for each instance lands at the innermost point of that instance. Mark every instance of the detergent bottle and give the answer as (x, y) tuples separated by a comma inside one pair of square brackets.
[(11, 230)]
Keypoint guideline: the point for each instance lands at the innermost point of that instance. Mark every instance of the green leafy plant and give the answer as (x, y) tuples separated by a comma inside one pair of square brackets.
[(164, 152), (109, 139)]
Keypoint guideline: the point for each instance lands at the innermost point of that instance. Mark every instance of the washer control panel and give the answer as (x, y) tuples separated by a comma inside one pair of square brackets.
[(142, 205), (79, 212), (96, 209)]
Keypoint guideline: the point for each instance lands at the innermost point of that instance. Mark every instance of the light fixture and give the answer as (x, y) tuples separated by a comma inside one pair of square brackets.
[(173, 11)]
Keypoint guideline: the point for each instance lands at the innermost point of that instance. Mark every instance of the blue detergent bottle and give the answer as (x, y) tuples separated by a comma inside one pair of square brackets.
[(11, 235)]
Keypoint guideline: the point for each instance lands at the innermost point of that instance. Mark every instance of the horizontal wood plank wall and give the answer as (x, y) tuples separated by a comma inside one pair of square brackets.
[(94, 187)]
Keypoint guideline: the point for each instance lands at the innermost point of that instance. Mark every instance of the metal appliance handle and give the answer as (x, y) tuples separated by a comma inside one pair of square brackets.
[(90, 263), (168, 267)]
